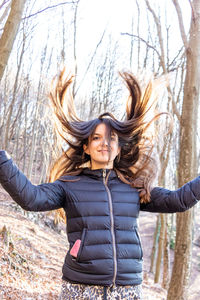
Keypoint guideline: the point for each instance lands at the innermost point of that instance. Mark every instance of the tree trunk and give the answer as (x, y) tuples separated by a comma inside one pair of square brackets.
[(75, 48), (155, 243), (14, 95), (187, 169), (160, 249), (9, 33), (166, 259)]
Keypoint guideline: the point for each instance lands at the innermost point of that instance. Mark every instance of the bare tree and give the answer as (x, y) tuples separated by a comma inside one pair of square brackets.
[(174, 96), (105, 90), (187, 167), (9, 33), (74, 43)]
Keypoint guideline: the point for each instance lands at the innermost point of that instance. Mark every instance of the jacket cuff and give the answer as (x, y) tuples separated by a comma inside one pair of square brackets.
[(4, 156)]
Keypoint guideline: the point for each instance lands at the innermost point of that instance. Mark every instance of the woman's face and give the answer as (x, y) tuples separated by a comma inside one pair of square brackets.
[(102, 156)]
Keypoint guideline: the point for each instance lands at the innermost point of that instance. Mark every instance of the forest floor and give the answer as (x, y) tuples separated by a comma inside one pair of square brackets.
[(32, 251)]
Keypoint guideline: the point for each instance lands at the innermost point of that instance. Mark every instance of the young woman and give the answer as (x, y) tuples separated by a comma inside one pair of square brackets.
[(102, 182)]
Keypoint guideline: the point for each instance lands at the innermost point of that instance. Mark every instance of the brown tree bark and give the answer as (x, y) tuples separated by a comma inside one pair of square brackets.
[(9, 33), (166, 258), (155, 244), (75, 48), (187, 160), (14, 94), (160, 249)]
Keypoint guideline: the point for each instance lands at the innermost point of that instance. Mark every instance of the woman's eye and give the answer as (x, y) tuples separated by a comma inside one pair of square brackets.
[(95, 138), (113, 138)]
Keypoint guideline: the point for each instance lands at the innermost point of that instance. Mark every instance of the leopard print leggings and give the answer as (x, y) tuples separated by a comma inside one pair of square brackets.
[(72, 291)]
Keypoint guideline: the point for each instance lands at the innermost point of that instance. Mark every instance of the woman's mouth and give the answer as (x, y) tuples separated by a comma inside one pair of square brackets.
[(103, 151)]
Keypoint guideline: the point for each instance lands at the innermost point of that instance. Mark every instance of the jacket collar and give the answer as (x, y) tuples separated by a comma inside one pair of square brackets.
[(98, 173)]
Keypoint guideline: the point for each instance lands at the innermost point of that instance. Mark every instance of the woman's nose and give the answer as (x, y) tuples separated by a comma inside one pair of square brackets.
[(105, 142)]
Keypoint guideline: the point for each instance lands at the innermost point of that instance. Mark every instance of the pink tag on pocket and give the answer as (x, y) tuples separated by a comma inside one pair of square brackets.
[(75, 248)]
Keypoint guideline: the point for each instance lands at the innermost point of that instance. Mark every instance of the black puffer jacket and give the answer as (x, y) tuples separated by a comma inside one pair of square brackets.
[(102, 211)]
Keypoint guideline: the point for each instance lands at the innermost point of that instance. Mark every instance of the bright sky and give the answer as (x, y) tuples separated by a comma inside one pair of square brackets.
[(93, 17), (117, 15)]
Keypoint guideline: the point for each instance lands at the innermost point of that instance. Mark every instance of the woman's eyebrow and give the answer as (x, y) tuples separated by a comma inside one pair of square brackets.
[(112, 134), (97, 133)]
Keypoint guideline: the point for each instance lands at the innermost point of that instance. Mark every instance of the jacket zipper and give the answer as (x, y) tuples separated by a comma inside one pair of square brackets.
[(112, 225)]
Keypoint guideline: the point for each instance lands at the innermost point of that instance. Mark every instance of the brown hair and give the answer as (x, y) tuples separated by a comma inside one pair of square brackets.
[(136, 165)]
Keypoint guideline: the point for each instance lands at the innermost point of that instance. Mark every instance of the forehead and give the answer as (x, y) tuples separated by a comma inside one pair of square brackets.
[(103, 129)]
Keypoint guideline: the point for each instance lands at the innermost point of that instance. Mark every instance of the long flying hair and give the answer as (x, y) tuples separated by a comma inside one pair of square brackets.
[(136, 164)]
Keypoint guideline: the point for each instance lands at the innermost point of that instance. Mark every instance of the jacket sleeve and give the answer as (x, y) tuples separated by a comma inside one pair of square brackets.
[(166, 201), (31, 197)]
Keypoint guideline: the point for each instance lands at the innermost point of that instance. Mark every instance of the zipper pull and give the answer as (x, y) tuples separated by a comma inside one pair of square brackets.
[(112, 287), (104, 173)]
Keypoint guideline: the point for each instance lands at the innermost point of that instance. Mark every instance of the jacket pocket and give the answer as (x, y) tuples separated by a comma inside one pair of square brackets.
[(139, 243), (83, 235)]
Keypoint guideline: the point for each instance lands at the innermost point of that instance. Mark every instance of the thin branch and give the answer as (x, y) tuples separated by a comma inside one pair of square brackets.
[(181, 25), (162, 56), (4, 2), (91, 60), (164, 154), (174, 106), (192, 9), (74, 44), (5, 11), (47, 8), (138, 33), (159, 31), (175, 58), (141, 39)]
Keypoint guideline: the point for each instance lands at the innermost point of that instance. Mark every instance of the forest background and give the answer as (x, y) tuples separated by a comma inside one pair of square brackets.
[(95, 40)]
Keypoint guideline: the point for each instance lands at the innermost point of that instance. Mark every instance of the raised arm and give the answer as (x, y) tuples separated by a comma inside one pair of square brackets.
[(31, 197), (166, 201)]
